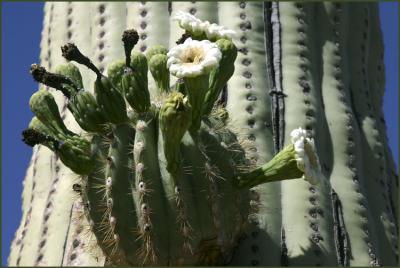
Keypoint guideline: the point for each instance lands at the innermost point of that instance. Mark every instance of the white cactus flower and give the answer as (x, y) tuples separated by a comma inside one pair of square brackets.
[(306, 157), (296, 160), (215, 31), (194, 25), (193, 58), (189, 22)]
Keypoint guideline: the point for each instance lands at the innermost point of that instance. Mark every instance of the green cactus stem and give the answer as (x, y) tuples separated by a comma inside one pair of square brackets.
[(159, 70), (175, 120)]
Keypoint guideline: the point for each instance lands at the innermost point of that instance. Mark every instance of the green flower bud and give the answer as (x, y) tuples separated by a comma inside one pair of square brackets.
[(196, 88), (74, 151), (72, 72), (139, 65), (159, 70), (87, 112), (45, 108), (136, 91), (175, 119), (37, 125), (155, 50), (76, 154), (110, 101), (220, 75), (115, 71)]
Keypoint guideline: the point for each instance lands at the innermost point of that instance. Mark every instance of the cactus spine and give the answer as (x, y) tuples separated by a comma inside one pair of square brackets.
[(297, 65)]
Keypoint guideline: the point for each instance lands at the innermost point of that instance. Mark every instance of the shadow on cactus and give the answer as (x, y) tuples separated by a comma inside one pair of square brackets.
[(164, 178)]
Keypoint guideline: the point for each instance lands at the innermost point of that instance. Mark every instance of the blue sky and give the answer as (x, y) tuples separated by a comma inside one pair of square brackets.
[(21, 28)]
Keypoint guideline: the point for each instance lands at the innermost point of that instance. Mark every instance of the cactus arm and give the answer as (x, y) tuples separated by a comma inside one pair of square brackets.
[(194, 172), (220, 151), (371, 144), (210, 173), (121, 209), (149, 192), (249, 108), (94, 197), (176, 240)]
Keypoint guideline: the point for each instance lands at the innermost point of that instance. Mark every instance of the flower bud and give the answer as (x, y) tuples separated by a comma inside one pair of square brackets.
[(220, 75), (175, 119), (155, 50), (159, 70), (45, 108), (135, 91)]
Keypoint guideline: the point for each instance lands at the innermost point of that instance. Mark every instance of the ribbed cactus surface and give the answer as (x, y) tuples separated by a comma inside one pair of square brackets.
[(318, 66)]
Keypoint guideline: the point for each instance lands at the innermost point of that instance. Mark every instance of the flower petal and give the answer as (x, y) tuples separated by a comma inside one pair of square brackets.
[(306, 156), (192, 24), (181, 61)]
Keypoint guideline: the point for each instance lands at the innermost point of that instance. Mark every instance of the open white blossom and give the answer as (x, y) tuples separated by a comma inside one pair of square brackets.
[(306, 157), (212, 30), (215, 31), (190, 23), (193, 58)]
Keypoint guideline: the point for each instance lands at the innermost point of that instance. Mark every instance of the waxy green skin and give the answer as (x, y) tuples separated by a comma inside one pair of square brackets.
[(120, 163), (314, 40)]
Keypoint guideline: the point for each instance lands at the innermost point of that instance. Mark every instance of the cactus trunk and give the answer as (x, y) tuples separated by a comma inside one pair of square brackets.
[(156, 199)]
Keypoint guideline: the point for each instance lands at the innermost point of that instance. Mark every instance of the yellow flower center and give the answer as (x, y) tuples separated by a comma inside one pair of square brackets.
[(192, 56)]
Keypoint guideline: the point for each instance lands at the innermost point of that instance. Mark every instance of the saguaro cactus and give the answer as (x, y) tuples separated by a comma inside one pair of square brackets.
[(130, 184)]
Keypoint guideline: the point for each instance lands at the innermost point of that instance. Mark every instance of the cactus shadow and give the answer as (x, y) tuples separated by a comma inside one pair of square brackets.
[(251, 249), (315, 255)]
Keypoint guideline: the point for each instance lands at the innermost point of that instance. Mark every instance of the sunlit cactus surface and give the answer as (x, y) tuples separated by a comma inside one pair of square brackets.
[(209, 133)]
